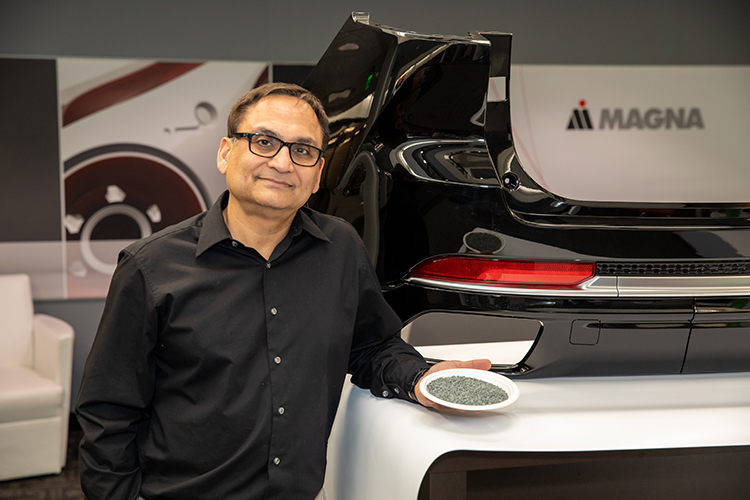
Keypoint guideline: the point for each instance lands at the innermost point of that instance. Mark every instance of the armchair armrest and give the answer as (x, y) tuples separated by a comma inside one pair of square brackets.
[(53, 351), (53, 359)]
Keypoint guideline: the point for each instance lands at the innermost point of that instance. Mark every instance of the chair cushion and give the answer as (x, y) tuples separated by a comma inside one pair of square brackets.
[(16, 320), (26, 395)]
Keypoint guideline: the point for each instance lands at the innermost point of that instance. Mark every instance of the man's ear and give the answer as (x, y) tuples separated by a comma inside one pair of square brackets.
[(221, 157)]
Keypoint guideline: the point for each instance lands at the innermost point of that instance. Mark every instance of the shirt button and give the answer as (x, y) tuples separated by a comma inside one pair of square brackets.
[(276, 460), (274, 311), (277, 360), (281, 410), (234, 244), (386, 394), (397, 390)]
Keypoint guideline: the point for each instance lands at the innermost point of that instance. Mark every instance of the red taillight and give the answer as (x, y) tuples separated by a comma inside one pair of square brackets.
[(501, 271)]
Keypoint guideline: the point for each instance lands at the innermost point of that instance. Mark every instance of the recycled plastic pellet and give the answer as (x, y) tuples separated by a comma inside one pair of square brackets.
[(466, 391)]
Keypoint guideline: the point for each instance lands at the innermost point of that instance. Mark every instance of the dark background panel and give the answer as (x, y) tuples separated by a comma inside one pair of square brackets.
[(545, 31), (29, 151)]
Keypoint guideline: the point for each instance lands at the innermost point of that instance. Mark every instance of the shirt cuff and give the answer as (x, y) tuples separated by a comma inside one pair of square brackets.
[(413, 385)]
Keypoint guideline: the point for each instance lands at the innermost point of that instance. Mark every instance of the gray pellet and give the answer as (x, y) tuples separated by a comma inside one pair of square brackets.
[(467, 391)]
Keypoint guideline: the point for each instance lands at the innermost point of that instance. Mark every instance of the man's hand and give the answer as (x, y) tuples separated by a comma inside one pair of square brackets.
[(477, 364)]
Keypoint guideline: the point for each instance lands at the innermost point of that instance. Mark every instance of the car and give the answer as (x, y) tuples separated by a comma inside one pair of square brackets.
[(472, 251)]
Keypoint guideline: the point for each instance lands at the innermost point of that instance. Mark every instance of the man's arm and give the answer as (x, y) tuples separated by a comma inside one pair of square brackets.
[(117, 386), (380, 358)]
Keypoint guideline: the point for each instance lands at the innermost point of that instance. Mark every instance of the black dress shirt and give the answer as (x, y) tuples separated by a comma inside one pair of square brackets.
[(216, 375)]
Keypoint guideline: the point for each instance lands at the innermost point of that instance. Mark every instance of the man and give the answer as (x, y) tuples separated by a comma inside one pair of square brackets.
[(219, 361)]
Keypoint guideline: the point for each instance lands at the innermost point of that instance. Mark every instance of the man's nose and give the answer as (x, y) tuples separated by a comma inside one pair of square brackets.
[(282, 161)]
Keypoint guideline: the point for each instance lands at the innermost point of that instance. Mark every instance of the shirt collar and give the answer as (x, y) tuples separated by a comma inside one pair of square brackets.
[(215, 229), (307, 224)]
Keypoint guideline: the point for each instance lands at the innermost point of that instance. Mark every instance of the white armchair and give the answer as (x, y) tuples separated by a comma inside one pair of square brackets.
[(36, 362)]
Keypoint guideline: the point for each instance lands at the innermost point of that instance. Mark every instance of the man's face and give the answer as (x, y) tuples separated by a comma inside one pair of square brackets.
[(272, 183)]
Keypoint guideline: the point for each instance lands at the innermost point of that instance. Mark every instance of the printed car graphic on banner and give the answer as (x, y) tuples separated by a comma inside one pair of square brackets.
[(105, 151), (138, 145)]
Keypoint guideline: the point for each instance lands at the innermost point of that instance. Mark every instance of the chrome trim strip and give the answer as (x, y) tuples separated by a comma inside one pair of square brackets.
[(683, 286), (613, 286), (598, 286), (614, 225)]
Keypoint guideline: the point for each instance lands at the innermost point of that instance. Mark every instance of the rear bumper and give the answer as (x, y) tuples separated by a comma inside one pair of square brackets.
[(584, 335)]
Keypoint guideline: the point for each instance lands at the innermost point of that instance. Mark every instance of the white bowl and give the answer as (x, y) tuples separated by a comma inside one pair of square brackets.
[(493, 378)]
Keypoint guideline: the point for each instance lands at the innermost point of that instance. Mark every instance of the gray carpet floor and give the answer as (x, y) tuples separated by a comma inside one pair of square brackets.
[(63, 486)]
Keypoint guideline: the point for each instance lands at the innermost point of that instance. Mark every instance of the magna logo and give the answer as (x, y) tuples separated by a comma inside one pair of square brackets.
[(636, 119)]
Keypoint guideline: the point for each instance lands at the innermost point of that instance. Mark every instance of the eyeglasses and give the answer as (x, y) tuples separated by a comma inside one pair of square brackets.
[(269, 146)]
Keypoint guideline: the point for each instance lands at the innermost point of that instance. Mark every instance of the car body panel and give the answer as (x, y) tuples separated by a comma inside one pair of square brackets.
[(421, 156)]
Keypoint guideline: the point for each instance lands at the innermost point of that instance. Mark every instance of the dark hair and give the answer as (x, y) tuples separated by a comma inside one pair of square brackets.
[(278, 88)]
